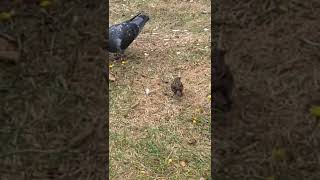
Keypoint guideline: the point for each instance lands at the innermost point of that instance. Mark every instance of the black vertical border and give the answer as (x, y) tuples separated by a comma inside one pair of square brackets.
[(213, 45), (107, 92)]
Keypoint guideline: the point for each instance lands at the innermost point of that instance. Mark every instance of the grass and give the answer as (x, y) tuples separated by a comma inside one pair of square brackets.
[(152, 151), (154, 136)]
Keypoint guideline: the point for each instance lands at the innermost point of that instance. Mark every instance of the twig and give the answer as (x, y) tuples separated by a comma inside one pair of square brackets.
[(135, 105), (309, 42)]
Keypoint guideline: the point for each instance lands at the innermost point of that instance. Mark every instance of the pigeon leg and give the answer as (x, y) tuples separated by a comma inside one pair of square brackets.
[(117, 57), (122, 56)]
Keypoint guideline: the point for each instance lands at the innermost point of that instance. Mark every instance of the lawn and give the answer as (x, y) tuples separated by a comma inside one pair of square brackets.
[(158, 136)]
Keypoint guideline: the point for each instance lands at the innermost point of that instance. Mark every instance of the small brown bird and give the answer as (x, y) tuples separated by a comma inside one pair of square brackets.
[(177, 86)]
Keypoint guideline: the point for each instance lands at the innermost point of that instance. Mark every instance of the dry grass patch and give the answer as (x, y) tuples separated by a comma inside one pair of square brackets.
[(157, 136)]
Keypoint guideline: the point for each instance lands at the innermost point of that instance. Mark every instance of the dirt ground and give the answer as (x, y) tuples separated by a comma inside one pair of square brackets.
[(53, 95), (274, 56), (158, 136)]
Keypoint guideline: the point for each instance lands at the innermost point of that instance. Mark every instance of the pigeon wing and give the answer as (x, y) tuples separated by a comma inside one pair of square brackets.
[(128, 34)]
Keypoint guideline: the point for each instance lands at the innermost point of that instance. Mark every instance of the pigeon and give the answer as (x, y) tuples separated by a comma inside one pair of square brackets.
[(223, 80), (177, 86), (123, 34)]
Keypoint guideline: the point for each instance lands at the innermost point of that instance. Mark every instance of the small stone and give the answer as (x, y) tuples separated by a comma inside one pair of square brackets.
[(112, 77), (147, 91)]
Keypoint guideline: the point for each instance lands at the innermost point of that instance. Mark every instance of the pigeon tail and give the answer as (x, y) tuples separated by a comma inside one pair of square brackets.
[(134, 16), (140, 20)]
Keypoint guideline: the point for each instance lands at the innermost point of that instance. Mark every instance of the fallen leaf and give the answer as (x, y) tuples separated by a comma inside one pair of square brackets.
[(194, 120), (270, 178), (4, 16), (45, 3), (315, 111), (278, 154), (124, 62), (199, 110)]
